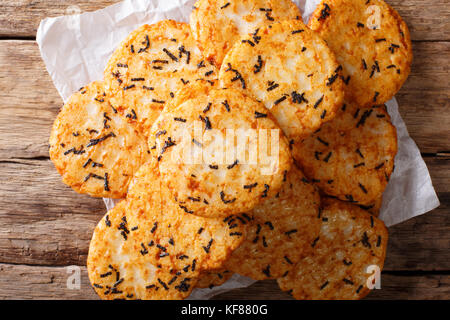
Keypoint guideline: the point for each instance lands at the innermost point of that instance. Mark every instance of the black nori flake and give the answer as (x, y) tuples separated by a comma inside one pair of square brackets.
[(144, 250), (87, 163), (207, 122), (225, 5), (227, 106), (272, 86), (170, 54), (257, 67), (231, 166), (279, 100), (379, 166), (318, 102), (155, 225), (107, 274), (266, 271), (348, 281), (361, 164), (183, 286), (163, 284), (185, 209), (322, 116), (107, 221), (179, 119), (122, 65), (147, 45), (250, 186), (378, 241), (325, 12), (375, 96), (324, 285), (363, 188), (222, 197), (264, 242), (249, 42), (148, 88), (349, 198), (237, 76), (380, 40), (332, 79), (255, 36), (214, 167), (297, 31), (298, 98), (360, 25), (359, 153), (288, 233), (359, 289), (167, 144), (129, 87), (159, 133), (323, 141), (94, 142), (364, 64), (260, 115), (269, 224), (347, 263), (197, 143), (208, 247), (266, 190), (327, 157), (313, 244), (365, 240)]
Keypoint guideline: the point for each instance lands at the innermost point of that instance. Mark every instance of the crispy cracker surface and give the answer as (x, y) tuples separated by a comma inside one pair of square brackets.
[(149, 66), (219, 151), (94, 149), (218, 25), (147, 234), (350, 246), (281, 231), (371, 42), (352, 156), (292, 71)]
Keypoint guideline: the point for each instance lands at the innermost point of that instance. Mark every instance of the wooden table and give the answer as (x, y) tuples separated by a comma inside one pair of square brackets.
[(45, 226)]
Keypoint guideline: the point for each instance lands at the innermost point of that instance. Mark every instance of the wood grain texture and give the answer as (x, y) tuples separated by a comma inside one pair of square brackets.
[(44, 222), (427, 20), (31, 103), (37, 282), (45, 226)]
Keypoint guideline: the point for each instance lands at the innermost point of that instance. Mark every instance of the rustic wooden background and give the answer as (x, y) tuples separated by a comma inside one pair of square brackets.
[(45, 226)]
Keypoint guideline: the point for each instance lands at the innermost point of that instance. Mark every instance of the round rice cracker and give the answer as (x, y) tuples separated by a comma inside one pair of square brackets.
[(218, 25), (156, 248), (371, 42), (350, 242), (213, 279), (149, 66), (211, 170), (93, 148), (292, 71), (352, 156), (282, 230), (116, 271)]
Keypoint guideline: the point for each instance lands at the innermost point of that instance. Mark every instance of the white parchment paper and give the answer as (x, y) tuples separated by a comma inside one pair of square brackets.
[(75, 49)]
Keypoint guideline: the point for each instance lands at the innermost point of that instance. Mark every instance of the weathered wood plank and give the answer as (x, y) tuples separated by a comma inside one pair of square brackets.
[(37, 282), (427, 20), (393, 287), (44, 222), (30, 102)]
